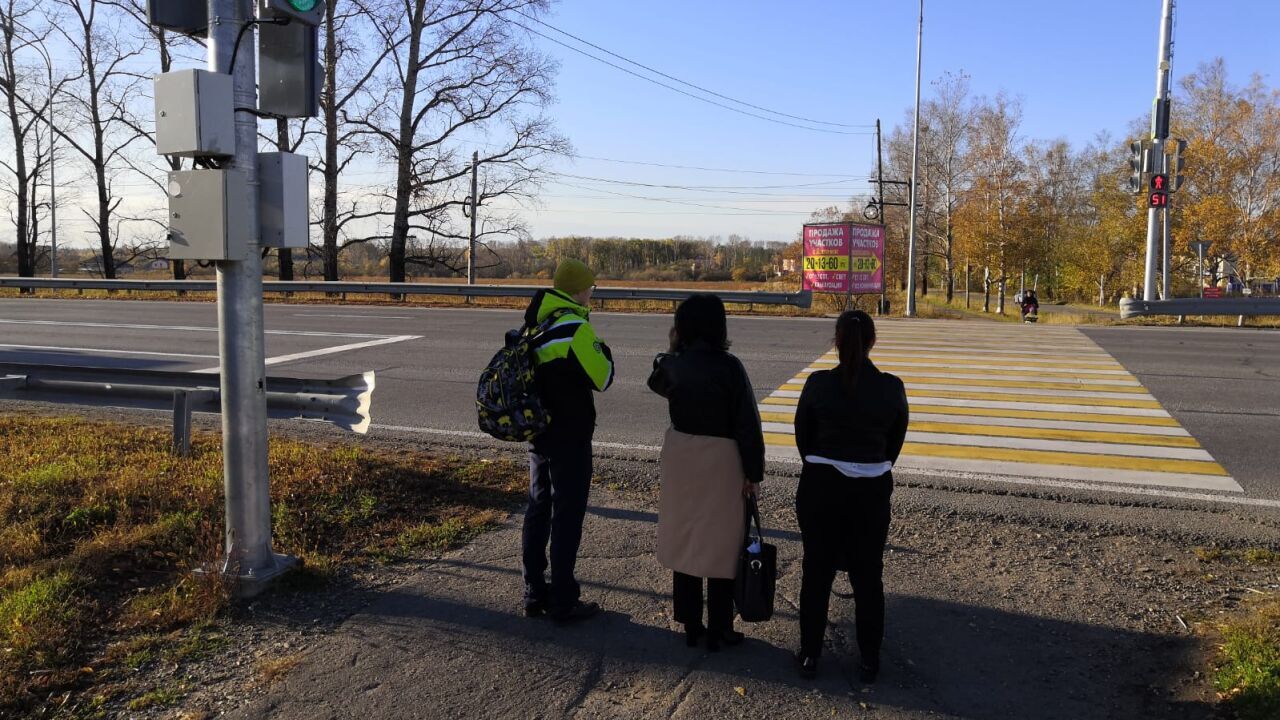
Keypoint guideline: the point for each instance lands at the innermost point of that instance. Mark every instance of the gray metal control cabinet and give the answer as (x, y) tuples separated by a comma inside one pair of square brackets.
[(282, 200), (194, 116), (208, 215)]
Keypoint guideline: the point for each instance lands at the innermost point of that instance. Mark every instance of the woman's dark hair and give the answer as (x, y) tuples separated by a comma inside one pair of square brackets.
[(701, 318), (855, 334)]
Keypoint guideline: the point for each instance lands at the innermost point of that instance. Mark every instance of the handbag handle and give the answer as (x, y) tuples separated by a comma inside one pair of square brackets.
[(752, 511)]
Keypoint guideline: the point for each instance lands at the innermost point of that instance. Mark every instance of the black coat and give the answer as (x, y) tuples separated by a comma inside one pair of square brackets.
[(708, 393), (867, 426)]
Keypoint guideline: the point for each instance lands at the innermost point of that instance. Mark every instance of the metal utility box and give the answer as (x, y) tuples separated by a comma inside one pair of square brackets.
[(195, 116), (208, 215), (288, 72), (282, 200)]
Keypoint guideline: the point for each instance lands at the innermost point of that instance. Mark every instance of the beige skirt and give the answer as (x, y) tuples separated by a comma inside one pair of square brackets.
[(700, 506)]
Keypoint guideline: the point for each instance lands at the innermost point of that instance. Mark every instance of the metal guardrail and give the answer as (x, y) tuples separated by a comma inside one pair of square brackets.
[(345, 402), (1181, 307), (802, 299)]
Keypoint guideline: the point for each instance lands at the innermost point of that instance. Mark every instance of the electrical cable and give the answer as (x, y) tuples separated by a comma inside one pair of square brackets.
[(705, 188), (235, 49), (685, 82), (682, 92)]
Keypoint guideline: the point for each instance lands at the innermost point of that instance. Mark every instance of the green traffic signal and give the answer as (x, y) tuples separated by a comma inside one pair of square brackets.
[(303, 5)]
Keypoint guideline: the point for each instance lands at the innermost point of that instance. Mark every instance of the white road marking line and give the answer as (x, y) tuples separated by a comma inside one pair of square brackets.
[(925, 388), (1074, 446), (1049, 407), (1050, 424), (183, 328), (279, 359), (1029, 376), (1066, 353), (104, 351), (357, 317), (908, 366), (1014, 422)]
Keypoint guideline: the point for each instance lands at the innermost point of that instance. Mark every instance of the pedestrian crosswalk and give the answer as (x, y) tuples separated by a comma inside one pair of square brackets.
[(1036, 401)]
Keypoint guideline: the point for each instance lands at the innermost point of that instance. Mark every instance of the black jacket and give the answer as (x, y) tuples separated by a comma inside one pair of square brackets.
[(571, 363), (708, 393), (867, 427)]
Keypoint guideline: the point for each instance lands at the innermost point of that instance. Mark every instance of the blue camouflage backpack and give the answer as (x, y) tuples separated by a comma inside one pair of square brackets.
[(506, 400)]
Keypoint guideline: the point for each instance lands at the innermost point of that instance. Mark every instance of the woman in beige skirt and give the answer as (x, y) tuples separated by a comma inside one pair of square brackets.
[(712, 459)]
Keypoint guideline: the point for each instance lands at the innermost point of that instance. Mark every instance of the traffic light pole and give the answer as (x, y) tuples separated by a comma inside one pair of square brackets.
[(1159, 132), (249, 558)]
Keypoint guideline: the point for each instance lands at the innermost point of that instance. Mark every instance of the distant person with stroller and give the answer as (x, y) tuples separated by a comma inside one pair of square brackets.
[(1030, 307), (850, 423), (712, 458), (570, 363)]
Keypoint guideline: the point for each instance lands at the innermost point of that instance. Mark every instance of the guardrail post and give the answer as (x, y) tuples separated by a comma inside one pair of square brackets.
[(1240, 321), (181, 423)]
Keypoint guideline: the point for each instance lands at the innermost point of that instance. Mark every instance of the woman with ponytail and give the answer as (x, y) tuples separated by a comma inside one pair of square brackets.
[(850, 425)]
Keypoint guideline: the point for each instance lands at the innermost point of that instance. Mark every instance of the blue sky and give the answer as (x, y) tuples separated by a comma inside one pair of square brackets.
[(1080, 67)]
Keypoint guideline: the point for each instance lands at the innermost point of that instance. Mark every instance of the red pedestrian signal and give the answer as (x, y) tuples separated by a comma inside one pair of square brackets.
[(1159, 183), (1158, 200)]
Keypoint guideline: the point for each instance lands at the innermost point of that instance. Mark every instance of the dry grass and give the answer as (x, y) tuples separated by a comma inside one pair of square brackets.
[(272, 670), (1248, 674), (103, 529)]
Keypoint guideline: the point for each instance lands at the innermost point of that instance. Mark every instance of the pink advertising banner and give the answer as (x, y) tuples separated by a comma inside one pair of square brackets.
[(844, 258)]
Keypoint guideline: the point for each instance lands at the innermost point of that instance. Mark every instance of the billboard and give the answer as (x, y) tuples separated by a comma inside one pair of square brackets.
[(844, 258)]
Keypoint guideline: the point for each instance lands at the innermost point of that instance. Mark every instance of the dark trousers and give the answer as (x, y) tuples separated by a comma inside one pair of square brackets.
[(844, 523), (559, 483), (686, 599)]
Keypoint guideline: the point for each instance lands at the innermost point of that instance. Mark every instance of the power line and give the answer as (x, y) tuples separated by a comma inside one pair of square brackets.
[(707, 188), (709, 169), (683, 92), (682, 202), (684, 82)]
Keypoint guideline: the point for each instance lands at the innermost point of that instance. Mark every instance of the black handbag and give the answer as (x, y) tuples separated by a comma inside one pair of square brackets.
[(757, 578)]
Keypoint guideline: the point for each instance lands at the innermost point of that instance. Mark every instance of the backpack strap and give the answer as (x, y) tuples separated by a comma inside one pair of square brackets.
[(552, 319)]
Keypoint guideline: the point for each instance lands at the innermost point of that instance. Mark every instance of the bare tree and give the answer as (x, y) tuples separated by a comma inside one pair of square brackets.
[(169, 46), (459, 71), (104, 126), (28, 100)]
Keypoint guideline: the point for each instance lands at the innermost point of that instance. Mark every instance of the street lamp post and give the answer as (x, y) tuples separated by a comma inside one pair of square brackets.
[(915, 166)]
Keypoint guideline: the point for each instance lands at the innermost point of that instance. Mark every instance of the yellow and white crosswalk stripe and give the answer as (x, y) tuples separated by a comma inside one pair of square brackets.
[(1023, 401)]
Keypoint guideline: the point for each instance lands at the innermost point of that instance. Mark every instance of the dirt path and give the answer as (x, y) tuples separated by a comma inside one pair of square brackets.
[(1014, 618)]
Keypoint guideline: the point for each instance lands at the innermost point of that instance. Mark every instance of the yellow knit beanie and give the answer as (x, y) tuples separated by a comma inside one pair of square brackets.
[(573, 276)]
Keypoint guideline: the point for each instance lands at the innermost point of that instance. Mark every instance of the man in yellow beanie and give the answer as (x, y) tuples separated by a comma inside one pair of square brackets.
[(570, 362)]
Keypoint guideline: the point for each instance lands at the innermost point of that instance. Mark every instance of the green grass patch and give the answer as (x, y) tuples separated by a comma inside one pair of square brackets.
[(102, 531), (1248, 673)]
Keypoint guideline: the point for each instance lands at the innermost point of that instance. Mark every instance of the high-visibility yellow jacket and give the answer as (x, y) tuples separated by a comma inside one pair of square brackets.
[(570, 361)]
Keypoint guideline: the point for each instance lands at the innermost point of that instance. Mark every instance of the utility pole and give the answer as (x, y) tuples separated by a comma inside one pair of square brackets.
[(474, 201), (915, 166), (240, 328), (884, 273), (1159, 132)]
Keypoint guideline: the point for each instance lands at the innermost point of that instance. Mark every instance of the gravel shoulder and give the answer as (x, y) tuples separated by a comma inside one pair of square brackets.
[(999, 605)]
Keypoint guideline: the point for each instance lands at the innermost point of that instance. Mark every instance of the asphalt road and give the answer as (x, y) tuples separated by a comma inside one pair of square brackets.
[(1222, 385)]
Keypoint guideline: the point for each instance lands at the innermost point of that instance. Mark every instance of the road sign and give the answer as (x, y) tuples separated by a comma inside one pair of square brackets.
[(1159, 182), (1200, 246), (1158, 200), (844, 258), (1212, 291)]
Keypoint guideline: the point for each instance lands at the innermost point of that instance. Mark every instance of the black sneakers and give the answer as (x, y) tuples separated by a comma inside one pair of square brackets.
[(578, 611), (807, 666), (535, 608)]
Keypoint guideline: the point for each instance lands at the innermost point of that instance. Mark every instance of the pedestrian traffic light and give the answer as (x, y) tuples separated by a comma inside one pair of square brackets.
[(1158, 200), (1137, 165), (288, 69), (1159, 182), (309, 12)]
